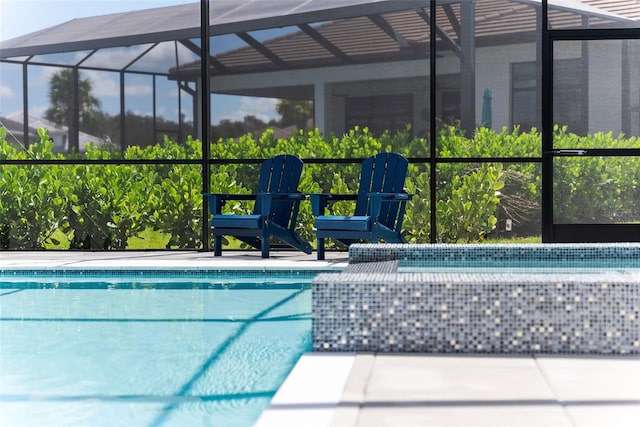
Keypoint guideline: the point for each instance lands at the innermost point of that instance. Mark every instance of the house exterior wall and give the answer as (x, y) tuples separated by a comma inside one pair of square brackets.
[(492, 71)]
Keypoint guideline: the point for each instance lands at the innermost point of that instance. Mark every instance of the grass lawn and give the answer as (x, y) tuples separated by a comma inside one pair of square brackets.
[(514, 240), (150, 239)]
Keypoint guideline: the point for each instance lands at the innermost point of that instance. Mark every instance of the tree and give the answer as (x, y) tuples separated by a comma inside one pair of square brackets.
[(295, 112), (62, 111)]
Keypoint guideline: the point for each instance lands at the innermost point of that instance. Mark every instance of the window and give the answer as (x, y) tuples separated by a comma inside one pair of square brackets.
[(631, 88), (523, 96), (450, 106), (569, 95)]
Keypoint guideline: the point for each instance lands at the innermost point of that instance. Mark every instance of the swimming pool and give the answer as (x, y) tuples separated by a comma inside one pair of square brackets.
[(147, 349)]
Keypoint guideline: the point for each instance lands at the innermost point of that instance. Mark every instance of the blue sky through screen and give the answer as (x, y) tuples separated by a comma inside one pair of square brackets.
[(20, 17)]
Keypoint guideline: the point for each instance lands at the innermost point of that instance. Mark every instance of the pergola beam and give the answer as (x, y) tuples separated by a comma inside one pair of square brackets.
[(212, 60), (265, 51), (384, 25), (324, 42), (453, 19), (455, 47)]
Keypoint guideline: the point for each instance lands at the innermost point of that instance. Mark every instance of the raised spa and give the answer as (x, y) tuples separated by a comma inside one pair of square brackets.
[(534, 298)]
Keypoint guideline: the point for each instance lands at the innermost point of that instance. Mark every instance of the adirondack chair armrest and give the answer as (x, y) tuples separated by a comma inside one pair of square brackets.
[(319, 201), (281, 196), (400, 197), (217, 200), (267, 199), (378, 198)]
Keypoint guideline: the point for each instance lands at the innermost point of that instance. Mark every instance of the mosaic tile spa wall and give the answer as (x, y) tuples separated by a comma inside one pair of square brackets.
[(370, 308)]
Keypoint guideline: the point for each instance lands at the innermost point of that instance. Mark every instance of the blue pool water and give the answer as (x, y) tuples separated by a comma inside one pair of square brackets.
[(540, 269), (124, 351)]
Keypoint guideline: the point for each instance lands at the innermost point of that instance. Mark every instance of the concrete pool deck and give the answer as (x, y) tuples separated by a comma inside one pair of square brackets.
[(169, 259), (347, 389)]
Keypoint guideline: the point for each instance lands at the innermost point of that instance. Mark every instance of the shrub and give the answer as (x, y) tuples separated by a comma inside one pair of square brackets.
[(103, 206), (31, 196)]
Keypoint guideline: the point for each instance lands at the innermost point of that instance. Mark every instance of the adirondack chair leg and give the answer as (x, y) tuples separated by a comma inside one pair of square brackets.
[(217, 245), (320, 248), (264, 244)]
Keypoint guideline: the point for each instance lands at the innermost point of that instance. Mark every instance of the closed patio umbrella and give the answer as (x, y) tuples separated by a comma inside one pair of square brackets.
[(486, 109)]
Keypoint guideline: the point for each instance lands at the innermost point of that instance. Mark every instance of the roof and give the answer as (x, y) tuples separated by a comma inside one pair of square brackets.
[(365, 39), (166, 40), (183, 22), (623, 11), (15, 124)]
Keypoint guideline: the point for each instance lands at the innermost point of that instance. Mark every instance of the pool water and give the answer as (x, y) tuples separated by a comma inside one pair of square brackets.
[(539, 270), (510, 266), (126, 352)]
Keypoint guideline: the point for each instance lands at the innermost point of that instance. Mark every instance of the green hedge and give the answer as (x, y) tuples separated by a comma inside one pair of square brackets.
[(103, 206)]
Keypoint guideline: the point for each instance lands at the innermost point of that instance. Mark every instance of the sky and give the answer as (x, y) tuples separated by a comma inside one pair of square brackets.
[(19, 17)]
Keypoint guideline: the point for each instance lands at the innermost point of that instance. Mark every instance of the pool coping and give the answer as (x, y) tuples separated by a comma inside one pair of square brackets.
[(312, 392), (164, 261), (154, 272)]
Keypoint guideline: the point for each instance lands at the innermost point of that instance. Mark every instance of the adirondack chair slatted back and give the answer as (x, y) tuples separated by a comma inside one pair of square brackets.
[(383, 173), (280, 174)]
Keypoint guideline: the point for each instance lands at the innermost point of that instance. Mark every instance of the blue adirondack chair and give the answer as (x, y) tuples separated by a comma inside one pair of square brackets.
[(275, 211), (379, 210)]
